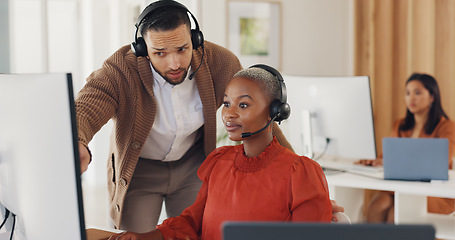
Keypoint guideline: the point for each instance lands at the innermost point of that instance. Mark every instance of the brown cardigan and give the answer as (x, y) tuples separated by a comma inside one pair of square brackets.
[(121, 90)]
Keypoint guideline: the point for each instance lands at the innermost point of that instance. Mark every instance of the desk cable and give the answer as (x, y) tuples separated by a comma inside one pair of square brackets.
[(327, 142), (7, 212), (14, 225)]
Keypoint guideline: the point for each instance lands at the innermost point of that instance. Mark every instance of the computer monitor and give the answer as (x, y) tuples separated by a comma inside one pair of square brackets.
[(39, 163), (324, 231), (330, 117)]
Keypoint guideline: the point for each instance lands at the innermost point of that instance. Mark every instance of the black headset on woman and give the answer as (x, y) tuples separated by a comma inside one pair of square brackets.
[(279, 108)]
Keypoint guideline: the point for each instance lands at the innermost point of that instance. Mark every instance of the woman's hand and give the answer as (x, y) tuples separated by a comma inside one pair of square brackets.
[(153, 235), (369, 162), (335, 209)]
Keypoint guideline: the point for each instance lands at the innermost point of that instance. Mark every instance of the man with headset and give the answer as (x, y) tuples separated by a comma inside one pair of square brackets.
[(162, 93)]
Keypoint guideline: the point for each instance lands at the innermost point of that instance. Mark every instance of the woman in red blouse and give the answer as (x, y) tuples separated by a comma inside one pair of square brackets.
[(259, 180)]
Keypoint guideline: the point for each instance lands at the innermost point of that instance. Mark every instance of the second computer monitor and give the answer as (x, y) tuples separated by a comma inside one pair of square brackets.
[(331, 116)]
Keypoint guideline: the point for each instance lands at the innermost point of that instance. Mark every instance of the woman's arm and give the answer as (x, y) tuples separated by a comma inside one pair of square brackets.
[(310, 194)]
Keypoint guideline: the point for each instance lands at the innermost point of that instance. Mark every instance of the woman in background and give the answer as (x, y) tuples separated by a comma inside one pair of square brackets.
[(424, 118)]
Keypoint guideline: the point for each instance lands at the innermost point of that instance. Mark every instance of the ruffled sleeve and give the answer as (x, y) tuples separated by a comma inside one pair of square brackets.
[(310, 194), (189, 224), (209, 163)]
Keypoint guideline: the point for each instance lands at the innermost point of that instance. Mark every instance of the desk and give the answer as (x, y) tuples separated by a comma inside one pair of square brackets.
[(99, 234), (410, 199)]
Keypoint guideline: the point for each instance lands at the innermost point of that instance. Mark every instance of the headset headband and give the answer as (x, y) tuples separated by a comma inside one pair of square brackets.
[(164, 3)]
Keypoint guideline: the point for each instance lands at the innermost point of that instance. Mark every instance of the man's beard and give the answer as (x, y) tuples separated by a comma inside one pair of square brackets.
[(185, 73)]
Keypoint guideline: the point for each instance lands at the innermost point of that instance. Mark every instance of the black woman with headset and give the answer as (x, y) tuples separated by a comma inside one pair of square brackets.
[(259, 180), (162, 93)]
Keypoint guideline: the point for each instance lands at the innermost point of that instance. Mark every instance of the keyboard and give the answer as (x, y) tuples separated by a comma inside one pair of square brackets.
[(372, 169), (332, 167)]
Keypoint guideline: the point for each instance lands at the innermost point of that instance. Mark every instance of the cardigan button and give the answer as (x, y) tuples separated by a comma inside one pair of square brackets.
[(136, 145), (123, 182)]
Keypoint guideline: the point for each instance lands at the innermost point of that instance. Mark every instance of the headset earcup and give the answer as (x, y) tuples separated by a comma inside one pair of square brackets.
[(283, 110), (197, 38), (139, 47)]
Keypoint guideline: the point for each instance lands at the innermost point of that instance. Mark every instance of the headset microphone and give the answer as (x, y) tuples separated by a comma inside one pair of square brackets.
[(202, 59), (249, 134)]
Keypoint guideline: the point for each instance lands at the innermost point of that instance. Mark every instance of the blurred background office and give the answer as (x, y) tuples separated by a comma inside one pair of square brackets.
[(384, 39)]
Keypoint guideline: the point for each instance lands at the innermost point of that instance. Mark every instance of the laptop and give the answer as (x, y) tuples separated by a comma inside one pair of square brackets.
[(416, 159), (324, 231)]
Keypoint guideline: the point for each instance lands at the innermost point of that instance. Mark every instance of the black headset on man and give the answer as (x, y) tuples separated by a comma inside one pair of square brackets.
[(279, 108), (139, 47)]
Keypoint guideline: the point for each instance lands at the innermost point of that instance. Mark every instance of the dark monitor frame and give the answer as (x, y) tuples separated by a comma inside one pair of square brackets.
[(324, 231)]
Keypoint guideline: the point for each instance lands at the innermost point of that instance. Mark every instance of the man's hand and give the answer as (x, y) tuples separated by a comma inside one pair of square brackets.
[(84, 157)]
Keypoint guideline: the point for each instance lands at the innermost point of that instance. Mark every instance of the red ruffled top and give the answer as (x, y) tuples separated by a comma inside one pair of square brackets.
[(278, 185)]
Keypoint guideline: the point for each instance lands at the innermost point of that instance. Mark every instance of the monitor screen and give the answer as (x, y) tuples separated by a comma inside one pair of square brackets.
[(39, 158), (330, 116), (324, 231)]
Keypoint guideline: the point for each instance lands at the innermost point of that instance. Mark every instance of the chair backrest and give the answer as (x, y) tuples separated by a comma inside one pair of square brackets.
[(341, 218)]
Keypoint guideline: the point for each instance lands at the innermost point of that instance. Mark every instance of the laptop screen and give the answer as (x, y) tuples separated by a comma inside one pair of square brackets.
[(416, 159)]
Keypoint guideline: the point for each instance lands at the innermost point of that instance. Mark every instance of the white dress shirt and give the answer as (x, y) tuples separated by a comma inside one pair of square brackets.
[(178, 117)]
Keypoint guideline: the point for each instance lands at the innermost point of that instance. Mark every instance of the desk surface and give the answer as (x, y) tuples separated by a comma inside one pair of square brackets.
[(357, 180), (347, 188), (98, 234), (375, 181)]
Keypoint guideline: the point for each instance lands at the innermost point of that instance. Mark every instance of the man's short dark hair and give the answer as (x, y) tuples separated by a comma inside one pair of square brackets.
[(164, 19)]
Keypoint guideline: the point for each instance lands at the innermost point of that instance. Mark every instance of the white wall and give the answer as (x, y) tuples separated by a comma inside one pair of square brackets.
[(317, 35), (213, 21)]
